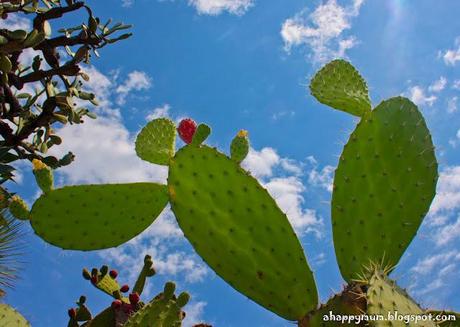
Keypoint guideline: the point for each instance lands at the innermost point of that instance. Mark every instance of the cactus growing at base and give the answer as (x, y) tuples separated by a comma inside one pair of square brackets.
[(164, 310)]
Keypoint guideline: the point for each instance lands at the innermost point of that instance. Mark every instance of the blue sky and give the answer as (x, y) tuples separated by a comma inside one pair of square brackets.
[(246, 64)]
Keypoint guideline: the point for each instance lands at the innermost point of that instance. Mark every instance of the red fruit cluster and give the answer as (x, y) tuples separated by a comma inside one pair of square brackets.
[(116, 304), (186, 130)]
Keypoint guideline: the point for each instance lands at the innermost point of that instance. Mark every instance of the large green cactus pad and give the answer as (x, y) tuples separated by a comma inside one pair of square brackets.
[(104, 319), (9, 317), (339, 85), (384, 297), (155, 143), (383, 186), (238, 229), (92, 217)]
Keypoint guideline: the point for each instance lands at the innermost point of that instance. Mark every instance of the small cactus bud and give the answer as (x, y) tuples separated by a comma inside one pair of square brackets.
[(186, 130), (18, 208), (94, 279), (104, 269), (240, 146), (134, 298), (124, 288), (72, 313), (43, 175), (113, 274), (169, 289), (82, 300), (86, 274), (183, 299)]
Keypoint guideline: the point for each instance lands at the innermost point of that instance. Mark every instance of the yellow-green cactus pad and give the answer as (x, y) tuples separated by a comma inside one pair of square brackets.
[(9, 317), (385, 298), (93, 217), (339, 85), (383, 186), (238, 229), (155, 143)]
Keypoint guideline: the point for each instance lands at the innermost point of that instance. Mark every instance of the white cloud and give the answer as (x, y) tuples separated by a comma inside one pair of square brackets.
[(212, 7), (438, 85), (419, 97), (452, 104), (136, 81), (320, 178), (453, 55), (164, 241), (105, 153), (322, 30), (261, 163), (427, 265), (448, 191), (158, 112), (216, 7), (194, 312), (456, 84), (282, 178), (15, 22)]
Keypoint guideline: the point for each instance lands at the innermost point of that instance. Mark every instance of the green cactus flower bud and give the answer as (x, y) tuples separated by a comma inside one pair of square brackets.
[(240, 146), (43, 175), (18, 208), (169, 289), (183, 299)]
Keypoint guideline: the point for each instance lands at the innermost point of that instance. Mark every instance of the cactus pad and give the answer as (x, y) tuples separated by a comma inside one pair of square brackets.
[(9, 317), (339, 85), (92, 217), (383, 186), (238, 229), (156, 141), (384, 297), (240, 146), (19, 208), (201, 134)]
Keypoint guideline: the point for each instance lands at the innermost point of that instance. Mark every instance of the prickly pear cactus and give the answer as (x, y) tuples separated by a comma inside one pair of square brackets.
[(9, 317), (238, 229), (385, 180), (164, 310), (92, 217)]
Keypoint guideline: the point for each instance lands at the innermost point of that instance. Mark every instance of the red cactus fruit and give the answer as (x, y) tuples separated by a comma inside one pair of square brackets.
[(128, 308), (113, 274), (72, 313), (124, 288), (186, 130), (116, 304), (134, 298)]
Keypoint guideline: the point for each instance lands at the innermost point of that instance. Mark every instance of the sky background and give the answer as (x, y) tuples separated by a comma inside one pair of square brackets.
[(246, 64)]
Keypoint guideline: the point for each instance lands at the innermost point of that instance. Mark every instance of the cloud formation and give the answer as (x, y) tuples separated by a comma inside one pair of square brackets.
[(322, 30)]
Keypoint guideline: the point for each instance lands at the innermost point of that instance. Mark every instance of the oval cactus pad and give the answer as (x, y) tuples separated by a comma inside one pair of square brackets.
[(339, 85), (383, 187), (93, 217), (155, 142), (238, 229)]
